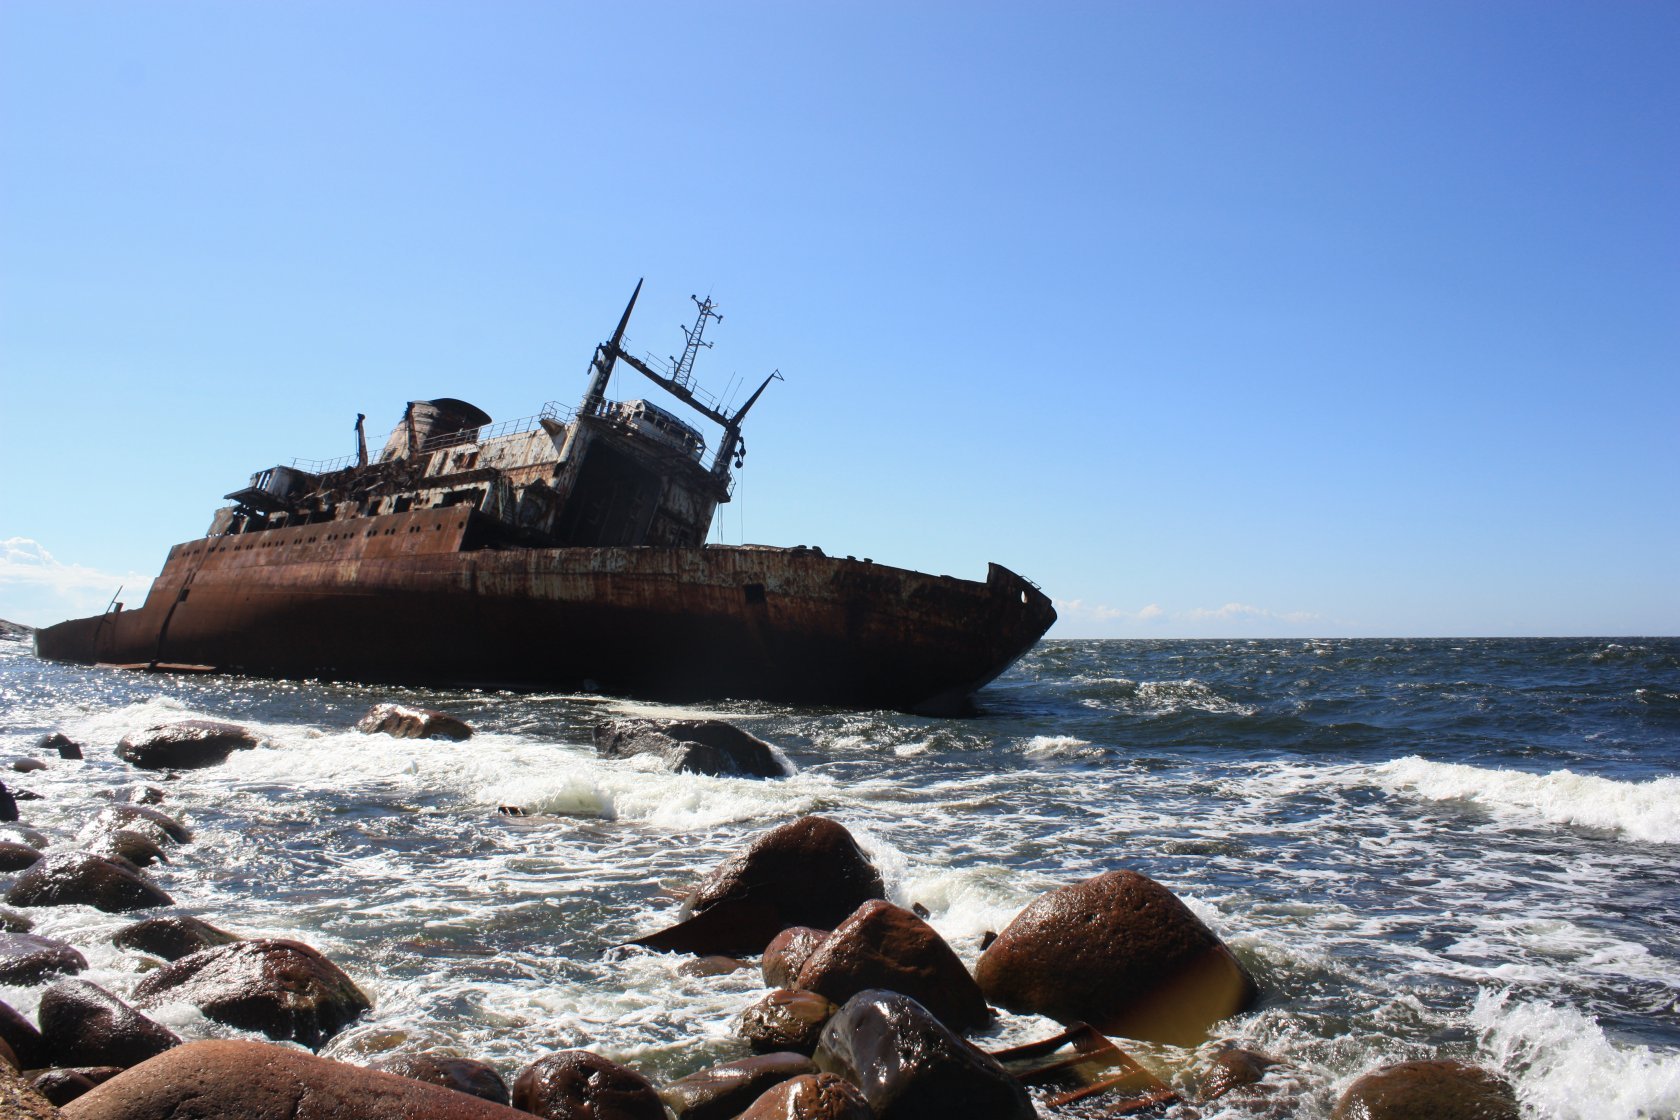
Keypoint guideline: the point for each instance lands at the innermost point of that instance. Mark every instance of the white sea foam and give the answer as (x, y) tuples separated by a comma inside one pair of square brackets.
[(1647, 811), (1058, 746), (1565, 1067)]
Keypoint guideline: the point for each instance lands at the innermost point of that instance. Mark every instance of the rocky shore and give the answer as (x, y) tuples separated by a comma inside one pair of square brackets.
[(866, 1010)]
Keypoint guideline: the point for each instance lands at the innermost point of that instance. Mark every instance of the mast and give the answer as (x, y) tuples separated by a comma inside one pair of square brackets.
[(682, 369)]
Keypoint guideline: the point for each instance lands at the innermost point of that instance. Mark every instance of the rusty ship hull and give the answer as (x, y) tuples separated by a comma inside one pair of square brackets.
[(415, 598)]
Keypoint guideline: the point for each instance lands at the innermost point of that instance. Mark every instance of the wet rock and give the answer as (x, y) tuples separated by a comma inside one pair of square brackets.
[(15, 856), (1121, 953), (820, 1096), (579, 1085), (60, 742), (722, 1091), (699, 746), (8, 804), (412, 723), (24, 835), (26, 765), (1439, 1090), (15, 921), (283, 989), (84, 879), (8, 1058), (464, 1075), (886, 946), (786, 1019), (787, 953), (20, 1034), (1234, 1068), (258, 1081), (187, 744), (83, 1024), (20, 1101), (138, 818), (61, 1086), (808, 872), (910, 1066), (126, 844), (28, 958), (171, 938)]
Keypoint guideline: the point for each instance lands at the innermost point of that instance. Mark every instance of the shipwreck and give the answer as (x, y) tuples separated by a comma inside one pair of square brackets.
[(563, 551)]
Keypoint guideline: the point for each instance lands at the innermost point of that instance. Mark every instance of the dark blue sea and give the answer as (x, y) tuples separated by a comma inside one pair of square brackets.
[(1465, 848)]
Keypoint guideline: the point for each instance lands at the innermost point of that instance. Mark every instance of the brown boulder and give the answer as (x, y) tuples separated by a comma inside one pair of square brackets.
[(699, 746), (187, 744), (1121, 953), (886, 946), (259, 1081), (786, 1019), (25, 1041), (84, 1025), (720, 1092), (464, 1075), (171, 938), (135, 847), (412, 723), (787, 953), (1439, 1090), (61, 1086), (910, 1066), (60, 742), (15, 856), (808, 872), (284, 989), (578, 1085), (821, 1096), (84, 879), (23, 834), (27, 958), (1234, 1068)]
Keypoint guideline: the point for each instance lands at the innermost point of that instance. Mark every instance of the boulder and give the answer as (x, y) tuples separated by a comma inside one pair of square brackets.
[(720, 1092), (786, 1020), (464, 1075), (60, 742), (1235, 1067), (820, 1096), (171, 938), (126, 844), (787, 953), (910, 1066), (808, 872), (885, 946), (579, 1085), (61, 1086), (84, 879), (1121, 953), (283, 989), (1438, 1089), (155, 823), (15, 921), (258, 1081), (412, 723), (699, 746), (25, 764), (187, 744), (24, 835), (8, 804), (15, 856), (19, 1099), (28, 958), (84, 1025), (8, 1058), (25, 1041)]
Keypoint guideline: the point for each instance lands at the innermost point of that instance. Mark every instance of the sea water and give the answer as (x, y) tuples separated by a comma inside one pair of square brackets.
[(1465, 848)]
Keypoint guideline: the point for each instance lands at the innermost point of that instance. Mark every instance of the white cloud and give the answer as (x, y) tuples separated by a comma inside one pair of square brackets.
[(1243, 612), (38, 589), (1102, 612)]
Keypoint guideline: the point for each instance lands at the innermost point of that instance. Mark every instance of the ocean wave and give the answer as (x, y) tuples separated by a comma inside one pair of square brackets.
[(1647, 811)]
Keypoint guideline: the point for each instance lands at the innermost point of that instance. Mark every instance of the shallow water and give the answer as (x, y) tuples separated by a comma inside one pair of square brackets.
[(1420, 848)]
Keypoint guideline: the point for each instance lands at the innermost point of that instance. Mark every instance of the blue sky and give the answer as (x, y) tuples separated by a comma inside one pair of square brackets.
[(1222, 319)]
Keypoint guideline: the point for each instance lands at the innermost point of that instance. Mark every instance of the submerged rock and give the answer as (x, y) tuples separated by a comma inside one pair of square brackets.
[(284, 989), (1439, 1090), (579, 1085), (400, 722), (1121, 953), (808, 872), (187, 744), (171, 938), (135, 847), (84, 1025), (700, 746), (910, 1066), (84, 879), (885, 946), (260, 1081), (138, 818)]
